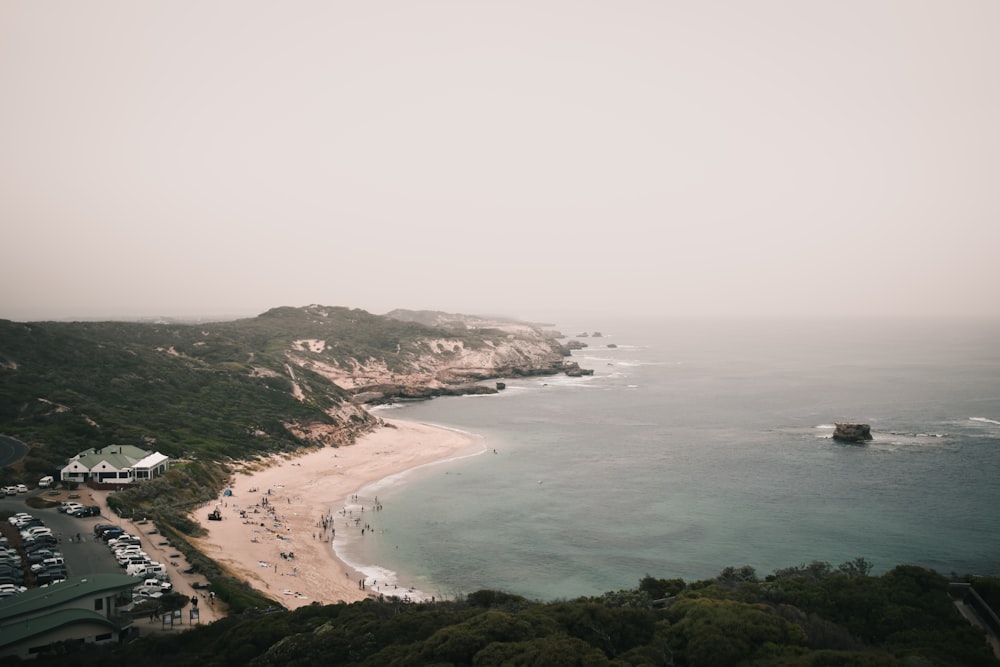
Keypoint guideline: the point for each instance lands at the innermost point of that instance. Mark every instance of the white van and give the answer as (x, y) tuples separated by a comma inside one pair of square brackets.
[(153, 569), (46, 481), (146, 569)]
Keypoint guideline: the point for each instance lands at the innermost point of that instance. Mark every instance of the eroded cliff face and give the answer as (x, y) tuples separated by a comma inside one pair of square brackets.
[(429, 365), (349, 421)]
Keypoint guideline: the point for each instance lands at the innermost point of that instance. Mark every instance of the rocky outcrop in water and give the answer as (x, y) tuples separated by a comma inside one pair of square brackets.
[(851, 432)]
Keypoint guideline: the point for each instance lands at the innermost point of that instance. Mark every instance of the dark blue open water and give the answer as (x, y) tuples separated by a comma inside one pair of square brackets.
[(698, 445)]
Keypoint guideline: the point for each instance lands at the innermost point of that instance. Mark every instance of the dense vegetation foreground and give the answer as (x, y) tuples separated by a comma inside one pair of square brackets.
[(810, 615)]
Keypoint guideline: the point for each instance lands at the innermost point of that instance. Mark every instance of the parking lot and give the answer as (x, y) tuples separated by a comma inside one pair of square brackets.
[(84, 553)]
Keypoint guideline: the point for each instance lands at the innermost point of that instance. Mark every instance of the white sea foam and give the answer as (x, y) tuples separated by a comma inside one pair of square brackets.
[(984, 420), (386, 407), (382, 580)]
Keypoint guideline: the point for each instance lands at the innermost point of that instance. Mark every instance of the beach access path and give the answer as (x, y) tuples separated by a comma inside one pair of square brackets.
[(301, 490)]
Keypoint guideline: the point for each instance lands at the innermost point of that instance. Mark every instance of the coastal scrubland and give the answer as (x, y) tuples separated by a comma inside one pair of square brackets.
[(807, 615)]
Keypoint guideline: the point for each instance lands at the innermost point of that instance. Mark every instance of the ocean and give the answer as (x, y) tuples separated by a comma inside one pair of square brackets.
[(698, 445)]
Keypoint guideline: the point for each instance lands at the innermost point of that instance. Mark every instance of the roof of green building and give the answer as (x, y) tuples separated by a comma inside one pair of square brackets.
[(119, 456), (37, 600)]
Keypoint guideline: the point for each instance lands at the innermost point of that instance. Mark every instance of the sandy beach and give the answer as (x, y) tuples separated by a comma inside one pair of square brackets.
[(278, 522)]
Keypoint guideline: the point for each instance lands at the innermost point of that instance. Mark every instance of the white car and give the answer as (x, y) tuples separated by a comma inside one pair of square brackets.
[(35, 531), (124, 558), (158, 584), (48, 562), (124, 547), (128, 553), (147, 569), (6, 590), (139, 596), (123, 541), (21, 488)]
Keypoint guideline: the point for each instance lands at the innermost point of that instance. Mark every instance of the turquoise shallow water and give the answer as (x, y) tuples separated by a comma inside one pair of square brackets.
[(698, 445)]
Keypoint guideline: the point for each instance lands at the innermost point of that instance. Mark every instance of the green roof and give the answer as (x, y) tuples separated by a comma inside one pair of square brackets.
[(120, 456), (37, 600)]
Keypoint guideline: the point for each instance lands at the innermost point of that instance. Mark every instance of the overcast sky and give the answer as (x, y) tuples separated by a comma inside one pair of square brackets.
[(531, 158)]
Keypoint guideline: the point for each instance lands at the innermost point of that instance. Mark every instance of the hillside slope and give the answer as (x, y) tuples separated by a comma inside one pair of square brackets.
[(288, 378)]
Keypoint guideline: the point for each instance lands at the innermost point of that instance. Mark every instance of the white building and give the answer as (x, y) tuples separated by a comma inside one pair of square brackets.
[(117, 464)]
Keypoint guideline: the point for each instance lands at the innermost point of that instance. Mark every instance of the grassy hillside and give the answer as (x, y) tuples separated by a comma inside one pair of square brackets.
[(215, 391), (68, 387)]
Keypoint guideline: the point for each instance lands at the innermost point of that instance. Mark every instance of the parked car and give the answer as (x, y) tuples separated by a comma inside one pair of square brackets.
[(85, 511), (38, 545), (124, 557), (123, 540), (44, 539), (148, 569), (132, 559), (54, 561), (50, 577), (6, 590), (101, 527), (158, 583), (155, 569), (41, 554), (35, 531), (46, 481), (11, 575), (67, 506), (146, 594)]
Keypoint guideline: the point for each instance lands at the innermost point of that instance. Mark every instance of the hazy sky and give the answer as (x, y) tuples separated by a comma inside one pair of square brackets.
[(522, 158)]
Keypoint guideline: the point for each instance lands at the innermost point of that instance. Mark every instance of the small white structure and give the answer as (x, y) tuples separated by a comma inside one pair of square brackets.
[(117, 464)]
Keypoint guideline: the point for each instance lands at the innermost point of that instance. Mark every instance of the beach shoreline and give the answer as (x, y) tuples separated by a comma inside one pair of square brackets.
[(280, 520)]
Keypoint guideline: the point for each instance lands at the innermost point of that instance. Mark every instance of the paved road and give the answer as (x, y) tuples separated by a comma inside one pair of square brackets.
[(11, 450)]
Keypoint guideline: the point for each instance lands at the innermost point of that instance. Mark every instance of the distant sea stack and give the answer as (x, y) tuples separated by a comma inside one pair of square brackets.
[(849, 432)]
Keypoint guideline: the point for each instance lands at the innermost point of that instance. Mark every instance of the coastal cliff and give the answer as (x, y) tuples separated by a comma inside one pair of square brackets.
[(435, 354), (288, 378)]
